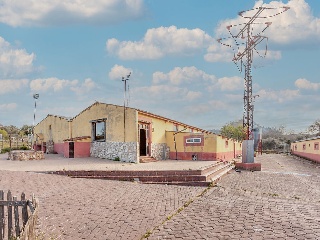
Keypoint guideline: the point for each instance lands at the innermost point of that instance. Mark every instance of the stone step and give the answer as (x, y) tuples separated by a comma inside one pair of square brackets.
[(93, 173), (177, 177), (219, 174), (156, 179), (220, 169), (215, 166)]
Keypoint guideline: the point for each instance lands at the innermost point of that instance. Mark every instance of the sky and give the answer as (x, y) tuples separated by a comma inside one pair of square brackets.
[(75, 52)]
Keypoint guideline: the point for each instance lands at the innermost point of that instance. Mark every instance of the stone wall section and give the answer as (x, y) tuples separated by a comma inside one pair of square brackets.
[(160, 151), (25, 155), (126, 151), (50, 147)]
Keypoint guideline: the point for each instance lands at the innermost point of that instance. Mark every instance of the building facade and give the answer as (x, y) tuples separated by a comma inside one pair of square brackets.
[(308, 148), (114, 132)]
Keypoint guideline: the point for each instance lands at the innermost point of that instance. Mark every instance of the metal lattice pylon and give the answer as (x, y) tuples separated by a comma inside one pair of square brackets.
[(243, 54)]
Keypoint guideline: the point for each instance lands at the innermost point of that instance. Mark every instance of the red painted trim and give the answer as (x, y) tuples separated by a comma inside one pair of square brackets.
[(249, 166), (66, 149), (311, 156), (81, 149), (58, 148)]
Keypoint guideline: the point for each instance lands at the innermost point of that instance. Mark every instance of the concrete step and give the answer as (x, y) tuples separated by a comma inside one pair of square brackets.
[(201, 177), (218, 175), (220, 172)]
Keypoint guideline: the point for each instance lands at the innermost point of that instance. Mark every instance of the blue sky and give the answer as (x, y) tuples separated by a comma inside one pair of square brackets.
[(75, 52)]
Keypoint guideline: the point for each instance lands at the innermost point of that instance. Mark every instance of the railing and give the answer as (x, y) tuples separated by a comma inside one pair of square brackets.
[(13, 227)]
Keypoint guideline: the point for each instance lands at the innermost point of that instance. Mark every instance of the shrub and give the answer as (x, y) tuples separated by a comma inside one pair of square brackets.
[(5, 150)]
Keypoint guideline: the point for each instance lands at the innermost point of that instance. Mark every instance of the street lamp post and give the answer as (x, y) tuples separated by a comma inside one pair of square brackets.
[(35, 96)]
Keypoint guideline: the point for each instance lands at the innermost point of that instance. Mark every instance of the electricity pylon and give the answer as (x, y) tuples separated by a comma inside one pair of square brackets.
[(245, 43)]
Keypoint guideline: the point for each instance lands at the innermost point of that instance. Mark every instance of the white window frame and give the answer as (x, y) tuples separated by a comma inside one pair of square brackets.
[(193, 140)]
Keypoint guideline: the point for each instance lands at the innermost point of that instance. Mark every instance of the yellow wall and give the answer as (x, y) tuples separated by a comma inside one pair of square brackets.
[(309, 146), (222, 146), (82, 126), (160, 126), (59, 129), (209, 144)]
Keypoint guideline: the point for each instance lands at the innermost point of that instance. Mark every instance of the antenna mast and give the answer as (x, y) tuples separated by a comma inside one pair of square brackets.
[(126, 101), (125, 104)]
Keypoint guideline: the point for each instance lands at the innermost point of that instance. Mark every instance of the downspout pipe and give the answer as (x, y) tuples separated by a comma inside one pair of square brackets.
[(175, 143)]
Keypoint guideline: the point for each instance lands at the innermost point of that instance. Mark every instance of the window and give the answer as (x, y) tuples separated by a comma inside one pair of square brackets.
[(316, 146), (98, 130), (193, 140), (304, 147), (227, 143)]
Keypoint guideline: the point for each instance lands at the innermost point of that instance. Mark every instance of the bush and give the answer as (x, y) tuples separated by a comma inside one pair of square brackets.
[(24, 148), (5, 150)]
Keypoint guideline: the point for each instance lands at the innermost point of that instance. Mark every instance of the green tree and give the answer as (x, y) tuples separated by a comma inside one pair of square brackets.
[(4, 133), (25, 130), (11, 129), (233, 130)]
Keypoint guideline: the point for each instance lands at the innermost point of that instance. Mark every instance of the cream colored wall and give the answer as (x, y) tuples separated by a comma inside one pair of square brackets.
[(82, 126), (309, 146), (221, 144), (160, 126), (210, 141), (59, 129)]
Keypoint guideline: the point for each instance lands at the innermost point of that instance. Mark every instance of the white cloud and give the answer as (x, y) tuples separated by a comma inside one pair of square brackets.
[(8, 107), (8, 86), (210, 106), (230, 83), (158, 42), (179, 75), (218, 53), (167, 93), (278, 96), (293, 26), (296, 24), (192, 95), (118, 71), (52, 12), (45, 84), (14, 62), (84, 87), (303, 83)]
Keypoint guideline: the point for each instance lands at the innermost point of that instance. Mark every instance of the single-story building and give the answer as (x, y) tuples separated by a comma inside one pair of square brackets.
[(116, 132), (308, 148)]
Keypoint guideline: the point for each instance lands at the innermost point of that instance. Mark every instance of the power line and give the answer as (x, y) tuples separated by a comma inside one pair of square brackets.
[(244, 46)]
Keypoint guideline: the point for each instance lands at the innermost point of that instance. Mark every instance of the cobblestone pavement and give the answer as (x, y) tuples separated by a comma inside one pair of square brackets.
[(280, 202), (96, 209)]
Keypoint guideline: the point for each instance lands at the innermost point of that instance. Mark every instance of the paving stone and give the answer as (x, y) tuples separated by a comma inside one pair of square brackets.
[(280, 202)]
